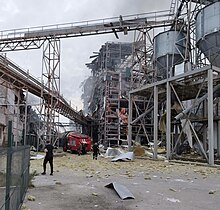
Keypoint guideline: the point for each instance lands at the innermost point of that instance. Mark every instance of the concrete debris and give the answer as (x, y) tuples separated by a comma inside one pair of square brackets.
[(95, 194), (58, 183), (121, 190), (31, 198), (212, 191), (24, 207)]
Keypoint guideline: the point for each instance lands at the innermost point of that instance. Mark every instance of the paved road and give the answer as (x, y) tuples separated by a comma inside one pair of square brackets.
[(155, 185)]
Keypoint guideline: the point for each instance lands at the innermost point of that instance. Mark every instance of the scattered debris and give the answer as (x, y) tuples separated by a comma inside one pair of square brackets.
[(31, 198), (37, 157), (139, 150), (112, 152), (24, 207), (124, 156), (212, 191), (150, 154), (58, 183), (173, 200), (122, 191), (172, 189)]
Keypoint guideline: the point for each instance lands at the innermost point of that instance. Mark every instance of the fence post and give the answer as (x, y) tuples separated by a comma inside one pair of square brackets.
[(8, 170), (22, 175)]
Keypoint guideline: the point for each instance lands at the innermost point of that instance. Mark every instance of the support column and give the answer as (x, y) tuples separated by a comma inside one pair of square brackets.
[(26, 118), (155, 122), (129, 137), (210, 117), (168, 121), (218, 139), (51, 72)]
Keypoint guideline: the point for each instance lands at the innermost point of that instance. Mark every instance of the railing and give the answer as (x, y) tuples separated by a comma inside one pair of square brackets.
[(22, 32)]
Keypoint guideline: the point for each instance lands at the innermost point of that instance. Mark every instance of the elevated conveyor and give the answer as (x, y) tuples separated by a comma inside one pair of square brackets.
[(10, 72), (32, 38)]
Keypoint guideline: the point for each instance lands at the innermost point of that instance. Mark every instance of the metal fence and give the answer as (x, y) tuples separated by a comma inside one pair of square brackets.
[(14, 175)]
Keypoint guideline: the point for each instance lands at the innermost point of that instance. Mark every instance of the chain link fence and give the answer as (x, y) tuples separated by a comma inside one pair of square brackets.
[(14, 175)]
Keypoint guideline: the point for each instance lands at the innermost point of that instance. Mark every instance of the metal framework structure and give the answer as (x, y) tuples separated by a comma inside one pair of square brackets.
[(108, 99), (18, 78), (49, 36), (51, 71), (181, 106)]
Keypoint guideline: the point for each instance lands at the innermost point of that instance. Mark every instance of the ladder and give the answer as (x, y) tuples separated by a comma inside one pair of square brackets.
[(172, 7)]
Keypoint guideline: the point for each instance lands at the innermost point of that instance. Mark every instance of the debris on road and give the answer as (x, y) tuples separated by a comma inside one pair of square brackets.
[(31, 198), (122, 191), (124, 156), (212, 191)]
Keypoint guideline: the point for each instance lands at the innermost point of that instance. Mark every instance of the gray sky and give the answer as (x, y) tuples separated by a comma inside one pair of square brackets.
[(75, 52)]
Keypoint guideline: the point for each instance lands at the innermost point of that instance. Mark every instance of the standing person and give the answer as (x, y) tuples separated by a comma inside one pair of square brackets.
[(95, 149), (79, 149), (48, 158)]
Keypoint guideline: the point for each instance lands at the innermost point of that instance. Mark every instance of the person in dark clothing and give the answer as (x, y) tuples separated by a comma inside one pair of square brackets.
[(83, 148), (48, 158), (79, 149), (95, 149)]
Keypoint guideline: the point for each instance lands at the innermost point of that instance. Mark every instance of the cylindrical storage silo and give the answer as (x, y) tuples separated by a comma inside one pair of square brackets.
[(169, 50), (208, 32)]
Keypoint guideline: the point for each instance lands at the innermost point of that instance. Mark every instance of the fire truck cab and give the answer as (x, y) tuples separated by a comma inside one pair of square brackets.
[(72, 141)]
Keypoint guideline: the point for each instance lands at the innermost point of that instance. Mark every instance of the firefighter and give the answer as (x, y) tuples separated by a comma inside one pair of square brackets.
[(48, 158), (79, 149), (95, 149)]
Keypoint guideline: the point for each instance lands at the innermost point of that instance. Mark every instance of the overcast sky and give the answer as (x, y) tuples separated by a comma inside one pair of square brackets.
[(75, 52)]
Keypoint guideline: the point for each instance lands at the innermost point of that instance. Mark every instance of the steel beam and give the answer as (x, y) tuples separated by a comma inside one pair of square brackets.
[(33, 38), (155, 122), (210, 117), (168, 121)]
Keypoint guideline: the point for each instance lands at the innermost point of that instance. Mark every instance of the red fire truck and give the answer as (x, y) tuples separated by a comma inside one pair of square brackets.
[(72, 141)]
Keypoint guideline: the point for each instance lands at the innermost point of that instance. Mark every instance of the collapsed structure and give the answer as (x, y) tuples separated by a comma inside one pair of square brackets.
[(108, 101)]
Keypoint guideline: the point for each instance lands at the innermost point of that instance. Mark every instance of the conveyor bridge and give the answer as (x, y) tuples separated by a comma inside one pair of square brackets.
[(13, 74)]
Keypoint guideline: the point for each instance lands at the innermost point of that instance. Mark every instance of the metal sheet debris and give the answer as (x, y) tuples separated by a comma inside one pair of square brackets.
[(124, 156), (121, 190), (37, 157), (112, 152)]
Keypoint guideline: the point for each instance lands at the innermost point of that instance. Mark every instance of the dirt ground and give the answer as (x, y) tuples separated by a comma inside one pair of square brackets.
[(79, 183)]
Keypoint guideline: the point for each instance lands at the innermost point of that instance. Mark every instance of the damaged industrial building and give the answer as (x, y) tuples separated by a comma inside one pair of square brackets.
[(160, 91)]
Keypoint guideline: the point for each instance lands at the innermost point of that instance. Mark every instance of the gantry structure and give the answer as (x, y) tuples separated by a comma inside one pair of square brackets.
[(49, 38), (19, 79)]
